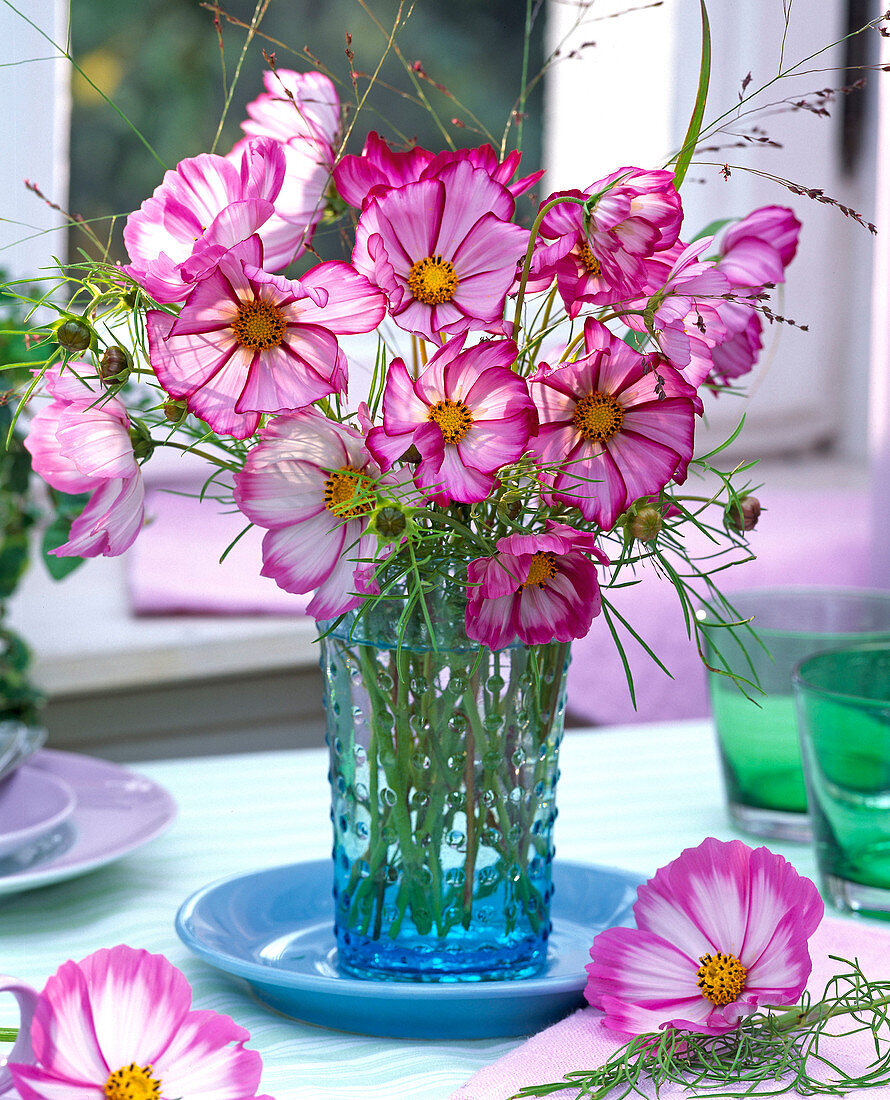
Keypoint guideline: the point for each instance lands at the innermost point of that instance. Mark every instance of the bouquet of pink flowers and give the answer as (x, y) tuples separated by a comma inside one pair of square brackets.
[(530, 405)]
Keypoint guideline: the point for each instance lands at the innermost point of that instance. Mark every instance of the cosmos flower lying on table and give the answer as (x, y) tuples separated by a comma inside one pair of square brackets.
[(120, 1025), (710, 986)]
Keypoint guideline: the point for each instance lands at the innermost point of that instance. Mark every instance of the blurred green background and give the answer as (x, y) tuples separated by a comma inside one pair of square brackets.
[(160, 61)]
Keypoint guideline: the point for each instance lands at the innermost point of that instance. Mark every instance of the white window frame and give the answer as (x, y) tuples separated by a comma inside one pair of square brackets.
[(626, 101), (35, 93)]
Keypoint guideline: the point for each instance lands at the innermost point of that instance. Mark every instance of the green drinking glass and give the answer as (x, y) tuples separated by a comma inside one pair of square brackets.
[(843, 713), (757, 736)]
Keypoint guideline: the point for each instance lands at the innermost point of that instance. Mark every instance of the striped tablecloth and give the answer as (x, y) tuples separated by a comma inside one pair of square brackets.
[(629, 796)]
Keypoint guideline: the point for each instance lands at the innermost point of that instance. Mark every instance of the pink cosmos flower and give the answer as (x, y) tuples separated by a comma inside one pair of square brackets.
[(720, 931), (443, 251), (467, 413), (80, 443), (615, 426), (300, 111), (538, 588), (204, 206), (247, 342), (311, 483), (756, 250), (359, 178), (598, 258), (752, 253), (120, 1024)]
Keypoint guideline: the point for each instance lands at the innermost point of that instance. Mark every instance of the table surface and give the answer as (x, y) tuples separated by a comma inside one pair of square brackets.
[(630, 797)]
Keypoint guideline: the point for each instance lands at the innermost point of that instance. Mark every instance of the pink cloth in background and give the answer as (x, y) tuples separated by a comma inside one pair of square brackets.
[(582, 1042), (804, 537), (173, 568)]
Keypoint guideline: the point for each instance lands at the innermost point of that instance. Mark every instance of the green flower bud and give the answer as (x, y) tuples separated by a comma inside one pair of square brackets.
[(645, 524), (175, 410), (115, 365), (74, 334), (389, 522), (140, 437)]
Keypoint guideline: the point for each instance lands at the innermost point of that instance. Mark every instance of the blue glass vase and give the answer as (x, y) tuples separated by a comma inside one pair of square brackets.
[(443, 770)]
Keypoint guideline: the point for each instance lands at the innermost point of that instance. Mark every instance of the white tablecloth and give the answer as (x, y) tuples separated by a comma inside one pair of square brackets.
[(630, 796)]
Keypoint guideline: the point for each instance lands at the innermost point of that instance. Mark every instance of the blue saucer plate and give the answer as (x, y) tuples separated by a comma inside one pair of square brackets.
[(274, 929)]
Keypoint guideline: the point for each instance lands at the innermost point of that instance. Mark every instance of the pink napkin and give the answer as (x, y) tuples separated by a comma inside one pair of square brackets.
[(174, 568), (582, 1042)]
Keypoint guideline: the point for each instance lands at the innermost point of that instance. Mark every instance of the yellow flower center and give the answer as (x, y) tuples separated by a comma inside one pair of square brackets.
[(349, 493), (589, 260), (721, 978), (259, 325), (132, 1082), (432, 281), (541, 569), (453, 417), (598, 416)]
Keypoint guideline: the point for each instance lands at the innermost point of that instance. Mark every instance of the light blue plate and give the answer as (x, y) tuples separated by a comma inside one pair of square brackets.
[(274, 929)]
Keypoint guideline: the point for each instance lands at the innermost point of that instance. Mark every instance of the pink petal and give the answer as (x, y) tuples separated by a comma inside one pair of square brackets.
[(403, 410), (96, 441), (276, 495), (335, 595), (201, 1063), (293, 375), (38, 1084), (470, 192), (353, 305), (62, 1032), (110, 522), (490, 622), (302, 555)]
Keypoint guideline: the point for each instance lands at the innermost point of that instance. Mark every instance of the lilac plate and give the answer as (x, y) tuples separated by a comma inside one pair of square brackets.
[(116, 810), (32, 802)]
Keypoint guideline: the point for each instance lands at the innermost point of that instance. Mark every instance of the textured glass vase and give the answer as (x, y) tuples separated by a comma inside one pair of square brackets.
[(443, 769)]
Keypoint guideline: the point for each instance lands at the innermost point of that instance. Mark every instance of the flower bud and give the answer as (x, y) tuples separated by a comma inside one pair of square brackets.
[(175, 410), (744, 515), (390, 522), (140, 437), (115, 365), (645, 524), (74, 334)]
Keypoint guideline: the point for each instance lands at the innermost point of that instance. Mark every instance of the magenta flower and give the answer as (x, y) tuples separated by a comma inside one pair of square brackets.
[(119, 1024), (300, 111), (443, 251), (720, 931), (80, 443), (757, 249), (615, 426), (248, 343), (205, 205), (752, 253), (538, 588), (311, 483), (467, 413), (598, 258), (379, 168)]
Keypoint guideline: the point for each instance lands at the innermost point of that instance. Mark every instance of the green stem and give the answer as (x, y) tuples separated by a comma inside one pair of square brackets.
[(8, 1034), (523, 89), (526, 267), (223, 465)]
